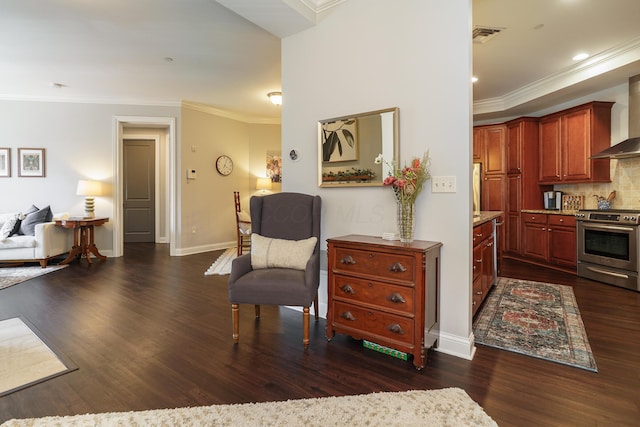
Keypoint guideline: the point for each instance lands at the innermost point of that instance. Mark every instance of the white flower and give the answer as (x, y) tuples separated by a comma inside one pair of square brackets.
[(378, 160)]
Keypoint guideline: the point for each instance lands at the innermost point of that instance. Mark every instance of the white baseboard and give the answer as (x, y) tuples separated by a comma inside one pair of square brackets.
[(455, 345), (204, 248)]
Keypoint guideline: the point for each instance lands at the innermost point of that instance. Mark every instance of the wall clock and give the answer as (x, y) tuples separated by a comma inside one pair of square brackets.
[(224, 165)]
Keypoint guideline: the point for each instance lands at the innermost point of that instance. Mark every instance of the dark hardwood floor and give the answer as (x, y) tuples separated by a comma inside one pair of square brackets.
[(151, 331)]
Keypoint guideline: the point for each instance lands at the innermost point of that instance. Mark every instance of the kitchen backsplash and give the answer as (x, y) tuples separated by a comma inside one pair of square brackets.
[(625, 180)]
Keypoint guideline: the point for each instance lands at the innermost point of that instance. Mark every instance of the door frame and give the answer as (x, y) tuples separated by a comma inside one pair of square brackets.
[(171, 167)]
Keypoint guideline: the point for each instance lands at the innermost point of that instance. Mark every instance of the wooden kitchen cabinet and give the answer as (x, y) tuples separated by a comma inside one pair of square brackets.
[(568, 139), (484, 262), (384, 291), (550, 239), (494, 192), (489, 142)]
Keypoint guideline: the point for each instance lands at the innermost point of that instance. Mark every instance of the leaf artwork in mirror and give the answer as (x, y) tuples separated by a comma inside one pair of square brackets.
[(348, 146)]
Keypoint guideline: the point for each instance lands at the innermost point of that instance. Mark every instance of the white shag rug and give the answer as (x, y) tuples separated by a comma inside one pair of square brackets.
[(445, 407), (222, 265), (24, 358), (10, 276)]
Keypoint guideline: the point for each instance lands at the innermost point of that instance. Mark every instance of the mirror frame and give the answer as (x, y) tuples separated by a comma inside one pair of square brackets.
[(365, 164)]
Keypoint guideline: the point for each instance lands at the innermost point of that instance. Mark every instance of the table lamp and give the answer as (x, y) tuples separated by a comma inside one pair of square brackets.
[(263, 184), (89, 189)]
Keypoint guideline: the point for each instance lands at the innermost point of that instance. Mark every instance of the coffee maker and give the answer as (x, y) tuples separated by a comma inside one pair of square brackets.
[(553, 200)]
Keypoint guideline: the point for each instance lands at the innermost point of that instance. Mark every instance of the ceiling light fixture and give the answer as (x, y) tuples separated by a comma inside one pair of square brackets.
[(580, 56), (275, 97)]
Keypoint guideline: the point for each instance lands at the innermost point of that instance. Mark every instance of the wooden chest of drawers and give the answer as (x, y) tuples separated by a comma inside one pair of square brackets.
[(384, 291)]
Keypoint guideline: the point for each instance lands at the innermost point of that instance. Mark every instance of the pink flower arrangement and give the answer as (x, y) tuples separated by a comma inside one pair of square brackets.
[(407, 182)]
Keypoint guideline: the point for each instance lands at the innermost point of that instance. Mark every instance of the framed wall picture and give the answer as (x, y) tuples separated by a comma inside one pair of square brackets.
[(5, 162), (31, 162), (274, 166)]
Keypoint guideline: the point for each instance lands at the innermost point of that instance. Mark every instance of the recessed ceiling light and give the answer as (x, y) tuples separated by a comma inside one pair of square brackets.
[(580, 56), (474, 79)]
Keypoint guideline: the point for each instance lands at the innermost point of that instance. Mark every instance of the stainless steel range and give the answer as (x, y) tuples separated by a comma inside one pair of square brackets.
[(608, 243)]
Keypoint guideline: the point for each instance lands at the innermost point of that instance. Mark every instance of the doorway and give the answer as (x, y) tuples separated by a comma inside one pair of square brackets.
[(161, 130)]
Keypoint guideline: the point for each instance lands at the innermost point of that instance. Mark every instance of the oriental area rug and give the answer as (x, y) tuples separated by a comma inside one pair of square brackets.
[(536, 319), (445, 407), (25, 359), (10, 276)]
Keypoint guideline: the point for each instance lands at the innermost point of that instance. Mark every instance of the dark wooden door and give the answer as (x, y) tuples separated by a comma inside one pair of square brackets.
[(139, 190)]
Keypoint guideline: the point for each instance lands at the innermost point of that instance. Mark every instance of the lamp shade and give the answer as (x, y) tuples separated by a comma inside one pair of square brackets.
[(89, 188), (263, 184)]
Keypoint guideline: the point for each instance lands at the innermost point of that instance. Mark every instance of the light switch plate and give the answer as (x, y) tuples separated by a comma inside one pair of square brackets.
[(443, 184)]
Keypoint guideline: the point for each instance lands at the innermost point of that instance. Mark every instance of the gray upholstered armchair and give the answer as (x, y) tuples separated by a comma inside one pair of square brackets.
[(280, 220)]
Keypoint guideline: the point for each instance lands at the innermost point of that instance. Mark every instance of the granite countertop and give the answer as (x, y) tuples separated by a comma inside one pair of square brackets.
[(485, 216), (550, 212)]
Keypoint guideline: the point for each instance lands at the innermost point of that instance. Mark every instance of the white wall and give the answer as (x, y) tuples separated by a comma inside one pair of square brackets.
[(373, 54)]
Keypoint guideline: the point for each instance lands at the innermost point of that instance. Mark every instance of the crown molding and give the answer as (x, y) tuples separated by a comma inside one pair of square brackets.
[(241, 117), (622, 55)]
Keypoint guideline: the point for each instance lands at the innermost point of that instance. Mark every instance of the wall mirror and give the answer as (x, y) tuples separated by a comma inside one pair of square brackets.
[(348, 146)]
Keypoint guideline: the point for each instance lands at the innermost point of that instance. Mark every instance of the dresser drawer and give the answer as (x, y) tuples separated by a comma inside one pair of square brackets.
[(372, 263), (373, 323), (384, 295)]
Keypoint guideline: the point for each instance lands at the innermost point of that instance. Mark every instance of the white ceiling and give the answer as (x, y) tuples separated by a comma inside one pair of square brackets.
[(226, 53)]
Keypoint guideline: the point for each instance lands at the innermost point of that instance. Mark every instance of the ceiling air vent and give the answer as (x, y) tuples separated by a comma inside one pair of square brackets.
[(484, 34)]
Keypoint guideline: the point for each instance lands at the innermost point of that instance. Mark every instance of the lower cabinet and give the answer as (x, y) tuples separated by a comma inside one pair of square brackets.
[(384, 291), (550, 239), (484, 262)]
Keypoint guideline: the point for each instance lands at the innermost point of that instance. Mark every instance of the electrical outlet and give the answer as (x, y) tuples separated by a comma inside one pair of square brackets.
[(443, 184)]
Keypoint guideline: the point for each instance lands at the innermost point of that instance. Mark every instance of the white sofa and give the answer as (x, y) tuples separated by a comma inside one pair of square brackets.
[(49, 241)]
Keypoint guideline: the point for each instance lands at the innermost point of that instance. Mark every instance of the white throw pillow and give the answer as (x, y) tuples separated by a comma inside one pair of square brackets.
[(8, 227), (244, 228), (280, 253)]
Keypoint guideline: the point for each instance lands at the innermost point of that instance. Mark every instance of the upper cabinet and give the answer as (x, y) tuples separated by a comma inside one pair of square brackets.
[(569, 138), (489, 148)]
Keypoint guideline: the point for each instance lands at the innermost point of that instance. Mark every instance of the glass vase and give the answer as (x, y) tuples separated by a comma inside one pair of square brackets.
[(406, 223)]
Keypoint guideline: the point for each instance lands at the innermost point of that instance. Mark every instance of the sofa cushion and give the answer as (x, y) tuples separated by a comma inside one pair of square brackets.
[(10, 226), (18, 242), (28, 225), (280, 253)]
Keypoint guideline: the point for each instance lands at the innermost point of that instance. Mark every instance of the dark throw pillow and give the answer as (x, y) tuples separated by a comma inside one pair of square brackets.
[(28, 224)]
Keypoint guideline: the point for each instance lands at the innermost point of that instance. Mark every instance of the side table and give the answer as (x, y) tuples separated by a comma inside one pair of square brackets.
[(83, 234)]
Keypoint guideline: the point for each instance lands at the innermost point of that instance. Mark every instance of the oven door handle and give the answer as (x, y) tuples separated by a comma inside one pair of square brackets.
[(608, 273), (608, 227)]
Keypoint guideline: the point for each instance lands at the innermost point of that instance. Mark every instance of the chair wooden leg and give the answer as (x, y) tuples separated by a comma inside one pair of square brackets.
[(235, 312), (257, 311), (305, 327), (315, 307)]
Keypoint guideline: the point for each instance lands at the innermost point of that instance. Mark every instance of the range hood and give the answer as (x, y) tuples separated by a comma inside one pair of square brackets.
[(627, 148)]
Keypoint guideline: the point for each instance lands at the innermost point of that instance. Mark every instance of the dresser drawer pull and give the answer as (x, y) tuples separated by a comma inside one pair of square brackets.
[(348, 260), (397, 298), (396, 267), (347, 315), (396, 329), (347, 289)]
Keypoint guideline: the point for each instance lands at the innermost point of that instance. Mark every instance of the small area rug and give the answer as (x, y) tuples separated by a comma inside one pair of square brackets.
[(10, 276), (536, 319), (446, 407), (24, 358), (223, 264)]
